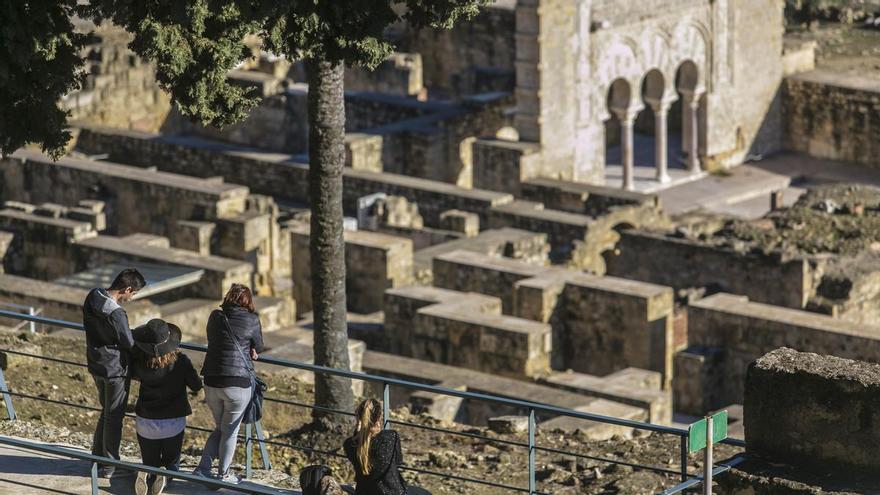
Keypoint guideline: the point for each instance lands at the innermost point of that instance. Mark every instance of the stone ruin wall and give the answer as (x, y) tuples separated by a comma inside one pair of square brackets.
[(120, 90), (831, 116)]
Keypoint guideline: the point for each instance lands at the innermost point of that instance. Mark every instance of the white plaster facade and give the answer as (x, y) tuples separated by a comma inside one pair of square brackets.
[(581, 62)]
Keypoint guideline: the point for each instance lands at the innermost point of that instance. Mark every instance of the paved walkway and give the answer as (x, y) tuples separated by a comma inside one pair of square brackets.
[(745, 190), (24, 472)]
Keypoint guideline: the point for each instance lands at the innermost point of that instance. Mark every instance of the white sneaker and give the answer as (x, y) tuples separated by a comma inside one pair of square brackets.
[(231, 477), (158, 485), (140, 483)]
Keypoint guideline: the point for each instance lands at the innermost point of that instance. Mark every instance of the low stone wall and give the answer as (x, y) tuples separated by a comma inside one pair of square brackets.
[(684, 263), (579, 197), (727, 333), (600, 324), (135, 200), (400, 74), (280, 175), (62, 302), (465, 329), (831, 115), (808, 410), (374, 262), (472, 57)]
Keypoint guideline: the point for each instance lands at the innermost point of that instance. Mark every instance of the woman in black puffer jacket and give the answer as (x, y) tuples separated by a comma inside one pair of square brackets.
[(227, 376)]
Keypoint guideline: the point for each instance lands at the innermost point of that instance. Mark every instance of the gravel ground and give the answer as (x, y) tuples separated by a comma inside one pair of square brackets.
[(450, 454)]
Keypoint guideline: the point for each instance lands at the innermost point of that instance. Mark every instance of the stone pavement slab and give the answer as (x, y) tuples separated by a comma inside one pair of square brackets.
[(24, 472)]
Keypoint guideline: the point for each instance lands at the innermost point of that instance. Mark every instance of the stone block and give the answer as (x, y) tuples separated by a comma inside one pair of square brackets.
[(193, 236), (11, 360), (509, 424), (363, 151), (461, 221), (811, 410), (500, 165), (443, 407)]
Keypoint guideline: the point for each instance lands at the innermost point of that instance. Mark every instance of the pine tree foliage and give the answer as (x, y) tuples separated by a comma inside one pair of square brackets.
[(40, 62)]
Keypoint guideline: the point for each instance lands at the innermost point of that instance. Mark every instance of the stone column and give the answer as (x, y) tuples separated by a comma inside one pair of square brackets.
[(691, 108), (627, 120), (661, 111)]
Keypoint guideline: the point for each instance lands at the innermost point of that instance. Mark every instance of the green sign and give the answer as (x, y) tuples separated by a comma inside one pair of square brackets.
[(697, 431)]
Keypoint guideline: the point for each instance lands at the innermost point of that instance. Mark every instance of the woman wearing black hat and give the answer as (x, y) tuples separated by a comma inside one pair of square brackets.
[(162, 405)]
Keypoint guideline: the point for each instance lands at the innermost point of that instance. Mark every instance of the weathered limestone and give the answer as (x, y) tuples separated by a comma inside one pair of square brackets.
[(461, 221), (600, 324), (731, 332), (619, 387), (479, 412), (464, 329), (808, 410), (6, 239), (62, 302), (682, 263), (119, 88), (579, 197), (518, 244), (818, 104), (280, 175), (400, 74), (219, 273), (374, 262), (132, 195), (40, 246)]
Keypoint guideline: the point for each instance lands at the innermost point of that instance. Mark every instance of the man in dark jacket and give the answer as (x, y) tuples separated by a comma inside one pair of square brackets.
[(108, 340)]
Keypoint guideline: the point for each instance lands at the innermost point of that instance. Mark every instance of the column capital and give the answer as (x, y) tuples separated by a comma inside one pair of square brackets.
[(661, 105), (691, 97), (628, 114)]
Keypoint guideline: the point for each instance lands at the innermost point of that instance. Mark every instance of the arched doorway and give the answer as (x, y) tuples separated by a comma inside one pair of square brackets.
[(652, 124), (689, 114), (619, 144)]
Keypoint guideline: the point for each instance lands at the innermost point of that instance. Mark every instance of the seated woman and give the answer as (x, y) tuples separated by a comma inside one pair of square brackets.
[(375, 454), (162, 405)]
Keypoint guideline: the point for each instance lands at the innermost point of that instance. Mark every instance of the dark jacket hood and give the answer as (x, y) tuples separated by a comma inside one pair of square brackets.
[(99, 302)]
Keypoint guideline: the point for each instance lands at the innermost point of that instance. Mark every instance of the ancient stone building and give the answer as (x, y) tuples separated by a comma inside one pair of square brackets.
[(591, 73)]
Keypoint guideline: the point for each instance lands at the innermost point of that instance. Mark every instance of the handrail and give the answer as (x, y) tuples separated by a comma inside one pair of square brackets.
[(537, 406), (386, 382), (96, 459)]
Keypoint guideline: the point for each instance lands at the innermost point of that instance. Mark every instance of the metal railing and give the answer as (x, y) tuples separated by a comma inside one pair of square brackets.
[(95, 460), (30, 310), (386, 383)]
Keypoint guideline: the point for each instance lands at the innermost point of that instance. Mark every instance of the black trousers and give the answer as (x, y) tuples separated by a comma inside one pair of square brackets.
[(161, 453), (113, 395)]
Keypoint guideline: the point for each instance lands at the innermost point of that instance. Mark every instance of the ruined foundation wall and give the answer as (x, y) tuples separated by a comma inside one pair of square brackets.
[(683, 263), (829, 116), (809, 410), (736, 332), (472, 57), (277, 175)]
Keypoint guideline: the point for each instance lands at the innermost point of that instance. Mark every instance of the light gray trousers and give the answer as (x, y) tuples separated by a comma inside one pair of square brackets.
[(227, 405)]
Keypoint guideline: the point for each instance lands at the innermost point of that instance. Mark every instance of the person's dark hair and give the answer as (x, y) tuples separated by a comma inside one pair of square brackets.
[(239, 295), (128, 278)]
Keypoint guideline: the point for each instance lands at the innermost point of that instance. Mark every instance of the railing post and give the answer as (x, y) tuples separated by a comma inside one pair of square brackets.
[(264, 452), (248, 452), (532, 484), (7, 399), (386, 404), (684, 458), (707, 460), (94, 478), (31, 324)]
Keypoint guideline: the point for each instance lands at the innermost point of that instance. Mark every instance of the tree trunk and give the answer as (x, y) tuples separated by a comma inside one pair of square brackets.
[(326, 244)]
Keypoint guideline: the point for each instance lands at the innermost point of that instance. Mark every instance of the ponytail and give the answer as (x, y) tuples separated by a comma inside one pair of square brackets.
[(367, 414)]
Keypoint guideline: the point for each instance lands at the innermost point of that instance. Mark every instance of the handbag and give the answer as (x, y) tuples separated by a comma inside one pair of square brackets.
[(310, 478), (254, 410)]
